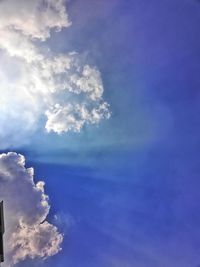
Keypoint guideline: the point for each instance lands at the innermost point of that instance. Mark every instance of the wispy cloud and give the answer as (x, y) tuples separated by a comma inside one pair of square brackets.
[(37, 85)]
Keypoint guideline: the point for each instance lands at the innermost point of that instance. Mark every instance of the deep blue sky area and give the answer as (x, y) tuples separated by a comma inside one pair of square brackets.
[(128, 191)]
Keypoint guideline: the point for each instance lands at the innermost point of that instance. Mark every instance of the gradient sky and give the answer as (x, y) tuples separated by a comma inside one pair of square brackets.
[(126, 192)]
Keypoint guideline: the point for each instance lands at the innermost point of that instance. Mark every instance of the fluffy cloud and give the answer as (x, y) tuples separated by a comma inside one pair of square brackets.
[(33, 18), (73, 117), (28, 234), (36, 85), (59, 92)]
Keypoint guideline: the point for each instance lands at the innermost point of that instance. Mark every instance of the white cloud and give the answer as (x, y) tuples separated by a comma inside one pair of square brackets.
[(33, 18), (60, 91), (73, 117), (28, 234), (35, 83)]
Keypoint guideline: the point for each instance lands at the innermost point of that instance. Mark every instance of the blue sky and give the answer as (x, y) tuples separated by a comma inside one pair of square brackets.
[(127, 189)]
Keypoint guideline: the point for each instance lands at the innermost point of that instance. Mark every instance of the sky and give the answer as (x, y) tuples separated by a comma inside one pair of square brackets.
[(99, 136)]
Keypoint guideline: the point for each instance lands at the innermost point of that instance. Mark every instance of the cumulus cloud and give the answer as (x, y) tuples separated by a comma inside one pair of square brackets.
[(34, 18), (36, 85), (28, 234)]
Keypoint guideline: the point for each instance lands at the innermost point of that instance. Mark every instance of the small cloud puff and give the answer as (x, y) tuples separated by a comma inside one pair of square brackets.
[(28, 234)]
